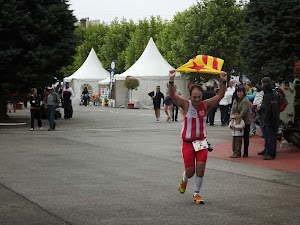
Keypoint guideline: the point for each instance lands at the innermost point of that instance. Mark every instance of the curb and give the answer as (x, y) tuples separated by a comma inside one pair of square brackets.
[(12, 124)]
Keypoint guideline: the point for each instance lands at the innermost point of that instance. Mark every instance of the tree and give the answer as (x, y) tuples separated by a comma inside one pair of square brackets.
[(207, 28), (36, 41), (116, 41), (131, 83), (270, 39), (221, 24), (90, 37), (140, 38)]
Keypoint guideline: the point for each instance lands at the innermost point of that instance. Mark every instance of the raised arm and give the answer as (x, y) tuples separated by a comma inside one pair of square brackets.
[(181, 102), (214, 101)]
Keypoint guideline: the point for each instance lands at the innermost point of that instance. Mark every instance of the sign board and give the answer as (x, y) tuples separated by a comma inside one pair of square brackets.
[(112, 73)]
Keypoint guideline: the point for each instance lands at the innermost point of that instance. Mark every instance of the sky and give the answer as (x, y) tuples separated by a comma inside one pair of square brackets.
[(107, 10)]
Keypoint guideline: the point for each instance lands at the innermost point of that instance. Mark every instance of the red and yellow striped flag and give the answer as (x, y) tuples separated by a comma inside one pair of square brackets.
[(202, 64)]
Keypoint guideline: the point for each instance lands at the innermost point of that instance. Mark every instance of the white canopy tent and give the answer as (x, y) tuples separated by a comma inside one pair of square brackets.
[(106, 81), (88, 75), (151, 69)]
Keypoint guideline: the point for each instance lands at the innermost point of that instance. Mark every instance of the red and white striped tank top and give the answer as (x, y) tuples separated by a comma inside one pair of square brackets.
[(194, 123)]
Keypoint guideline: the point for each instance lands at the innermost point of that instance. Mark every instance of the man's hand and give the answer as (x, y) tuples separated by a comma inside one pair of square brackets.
[(172, 74), (223, 76)]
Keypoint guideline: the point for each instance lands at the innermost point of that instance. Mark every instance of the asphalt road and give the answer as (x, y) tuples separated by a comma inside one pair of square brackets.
[(118, 166)]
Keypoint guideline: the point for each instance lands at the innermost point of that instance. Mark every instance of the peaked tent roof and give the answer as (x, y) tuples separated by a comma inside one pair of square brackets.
[(91, 69), (151, 64)]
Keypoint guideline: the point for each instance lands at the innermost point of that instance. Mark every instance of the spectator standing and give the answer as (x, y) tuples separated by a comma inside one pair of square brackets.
[(242, 104), (251, 96), (212, 111), (294, 82), (270, 111), (35, 111), (51, 103), (231, 90), (157, 102), (237, 134), (67, 95), (207, 94), (247, 86), (257, 100), (224, 108), (85, 96)]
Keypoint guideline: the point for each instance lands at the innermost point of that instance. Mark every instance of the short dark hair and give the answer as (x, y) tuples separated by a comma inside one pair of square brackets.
[(266, 80), (241, 88), (195, 86), (235, 110)]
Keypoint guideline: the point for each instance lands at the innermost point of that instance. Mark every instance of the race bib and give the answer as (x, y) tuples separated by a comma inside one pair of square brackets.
[(200, 145)]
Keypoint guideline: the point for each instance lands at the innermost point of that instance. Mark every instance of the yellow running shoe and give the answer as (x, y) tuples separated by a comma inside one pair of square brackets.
[(182, 185), (198, 199)]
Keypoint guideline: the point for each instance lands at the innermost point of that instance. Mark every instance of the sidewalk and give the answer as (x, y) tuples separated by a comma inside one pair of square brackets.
[(288, 158)]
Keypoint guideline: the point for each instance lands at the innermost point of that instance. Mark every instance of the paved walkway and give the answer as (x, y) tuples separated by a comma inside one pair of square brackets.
[(288, 158), (118, 166)]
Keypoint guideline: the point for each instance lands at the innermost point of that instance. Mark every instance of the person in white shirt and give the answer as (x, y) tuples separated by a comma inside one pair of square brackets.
[(231, 90), (224, 108)]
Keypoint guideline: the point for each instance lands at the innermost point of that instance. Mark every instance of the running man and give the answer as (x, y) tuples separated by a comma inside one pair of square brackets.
[(194, 145)]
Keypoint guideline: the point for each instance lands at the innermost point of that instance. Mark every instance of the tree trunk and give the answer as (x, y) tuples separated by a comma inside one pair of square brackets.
[(3, 107)]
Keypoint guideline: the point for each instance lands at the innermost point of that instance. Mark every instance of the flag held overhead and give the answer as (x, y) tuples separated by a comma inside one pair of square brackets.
[(202, 64)]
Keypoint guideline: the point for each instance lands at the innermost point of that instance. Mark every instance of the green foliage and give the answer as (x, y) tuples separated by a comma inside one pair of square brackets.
[(116, 42), (270, 39), (131, 83), (176, 42), (36, 41), (105, 100), (90, 37), (221, 23), (140, 38), (207, 28)]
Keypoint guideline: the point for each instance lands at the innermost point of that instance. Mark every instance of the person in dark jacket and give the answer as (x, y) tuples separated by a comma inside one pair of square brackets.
[(270, 110), (207, 94), (35, 104), (157, 102), (67, 95), (51, 103), (85, 96)]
